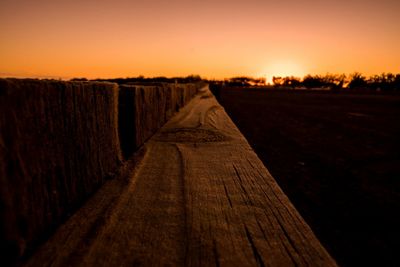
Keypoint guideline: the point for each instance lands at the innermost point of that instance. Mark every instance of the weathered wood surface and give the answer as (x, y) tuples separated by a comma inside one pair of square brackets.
[(145, 108), (60, 141), (199, 197), (58, 144)]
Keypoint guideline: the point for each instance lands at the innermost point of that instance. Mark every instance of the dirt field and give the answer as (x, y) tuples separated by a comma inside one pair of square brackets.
[(337, 157)]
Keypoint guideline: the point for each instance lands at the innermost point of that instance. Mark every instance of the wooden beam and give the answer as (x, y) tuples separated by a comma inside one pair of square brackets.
[(199, 197)]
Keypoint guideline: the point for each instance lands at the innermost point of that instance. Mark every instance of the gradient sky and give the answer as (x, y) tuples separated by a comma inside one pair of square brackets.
[(215, 39)]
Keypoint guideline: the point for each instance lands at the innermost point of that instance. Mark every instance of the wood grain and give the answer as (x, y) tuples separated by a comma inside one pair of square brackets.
[(200, 197), (143, 109), (58, 144)]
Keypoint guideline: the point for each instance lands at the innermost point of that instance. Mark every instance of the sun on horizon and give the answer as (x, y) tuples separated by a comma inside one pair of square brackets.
[(283, 68)]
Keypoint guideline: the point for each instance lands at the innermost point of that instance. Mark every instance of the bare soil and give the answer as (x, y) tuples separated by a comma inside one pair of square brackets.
[(337, 157)]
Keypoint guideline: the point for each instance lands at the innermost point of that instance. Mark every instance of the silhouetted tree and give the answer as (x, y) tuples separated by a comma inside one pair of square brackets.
[(310, 81), (357, 80), (340, 81), (291, 81), (333, 81), (396, 83), (260, 81), (79, 80), (388, 81), (277, 81), (245, 81)]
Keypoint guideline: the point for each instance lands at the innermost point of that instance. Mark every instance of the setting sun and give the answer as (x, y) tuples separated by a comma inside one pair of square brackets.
[(283, 69)]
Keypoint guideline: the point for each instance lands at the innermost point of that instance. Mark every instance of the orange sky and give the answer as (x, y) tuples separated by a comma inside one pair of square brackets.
[(215, 39)]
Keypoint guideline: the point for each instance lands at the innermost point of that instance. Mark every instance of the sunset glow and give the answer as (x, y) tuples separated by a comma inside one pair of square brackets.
[(215, 39), (283, 69)]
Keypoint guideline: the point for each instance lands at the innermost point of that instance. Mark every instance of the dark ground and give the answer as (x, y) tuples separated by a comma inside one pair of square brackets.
[(337, 157)]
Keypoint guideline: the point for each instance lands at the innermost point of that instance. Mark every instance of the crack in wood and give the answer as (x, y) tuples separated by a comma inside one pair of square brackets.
[(227, 195), (256, 254), (190, 135)]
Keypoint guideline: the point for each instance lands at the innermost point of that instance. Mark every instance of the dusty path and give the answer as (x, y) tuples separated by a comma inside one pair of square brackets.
[(200, 197)]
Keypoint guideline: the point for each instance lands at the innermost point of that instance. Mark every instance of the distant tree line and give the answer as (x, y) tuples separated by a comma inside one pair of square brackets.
[(142, 79), (382, 82), (235, 81), (354, 81), (244, 81)]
